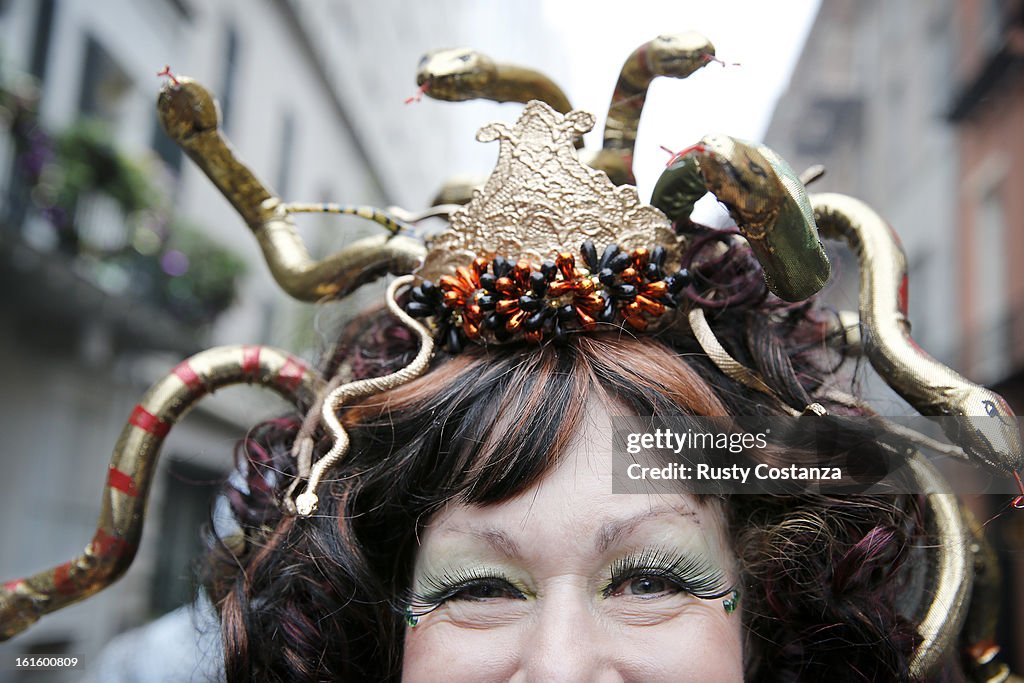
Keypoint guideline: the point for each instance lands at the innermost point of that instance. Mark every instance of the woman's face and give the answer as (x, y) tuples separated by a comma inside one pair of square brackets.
[(569, 582)]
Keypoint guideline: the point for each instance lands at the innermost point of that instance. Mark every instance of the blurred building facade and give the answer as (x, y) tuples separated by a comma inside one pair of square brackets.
[(79, 347), (311, 94), (917, 108), (868, 100), (987, 111)]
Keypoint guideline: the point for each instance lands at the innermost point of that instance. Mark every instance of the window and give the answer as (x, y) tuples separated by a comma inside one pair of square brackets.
[(990, 283), (104, 84), (41, 43), (185, 513), (991, 29)]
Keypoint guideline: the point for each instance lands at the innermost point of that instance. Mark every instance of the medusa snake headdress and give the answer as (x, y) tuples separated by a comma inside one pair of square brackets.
[(547, 248)]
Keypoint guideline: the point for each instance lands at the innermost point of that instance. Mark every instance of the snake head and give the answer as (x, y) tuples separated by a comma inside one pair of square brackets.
[(186, 108), (988, 431), (678, 55), (743, 179), (455, 74), (765, 198)]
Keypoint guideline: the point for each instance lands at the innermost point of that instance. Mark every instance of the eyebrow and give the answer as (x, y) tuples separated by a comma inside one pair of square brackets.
[(607, 535), (612, 532), (500, 541)]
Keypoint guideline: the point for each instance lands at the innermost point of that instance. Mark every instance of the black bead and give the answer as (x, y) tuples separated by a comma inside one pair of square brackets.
[(566, 313), (678, 281), (657, 256), (491, 322), (549, 269), (606, 276), (559, 335), (538, 283), (609, 251), (454, 340), (431, 291), (627, 292), (608, 314), (487, 302), (417, 295), (589, 253), (620, 262), (501, 266), (419, 310), (529, 303), (652, 272), (487, 281), (535, 321)]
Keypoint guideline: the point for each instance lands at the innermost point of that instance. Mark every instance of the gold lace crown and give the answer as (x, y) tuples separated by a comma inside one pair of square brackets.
[(503, 268)]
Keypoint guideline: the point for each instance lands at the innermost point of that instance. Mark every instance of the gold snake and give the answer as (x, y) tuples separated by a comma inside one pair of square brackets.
[(929, 386), (113, 546), (189, 114), (675, 56), (772, 210), (460, 74)]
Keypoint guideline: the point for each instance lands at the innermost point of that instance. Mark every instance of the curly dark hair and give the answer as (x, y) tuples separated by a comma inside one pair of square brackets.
[(822, 574)]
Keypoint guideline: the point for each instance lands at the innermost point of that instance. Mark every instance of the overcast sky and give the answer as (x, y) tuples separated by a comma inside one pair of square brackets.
[(765, 38)]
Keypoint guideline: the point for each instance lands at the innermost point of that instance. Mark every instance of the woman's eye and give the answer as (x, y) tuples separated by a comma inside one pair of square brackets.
[(487, 590), (646, 587)]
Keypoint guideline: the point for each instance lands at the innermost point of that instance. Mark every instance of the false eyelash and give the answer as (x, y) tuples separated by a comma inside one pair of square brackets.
[(693, 574), (443, 588)]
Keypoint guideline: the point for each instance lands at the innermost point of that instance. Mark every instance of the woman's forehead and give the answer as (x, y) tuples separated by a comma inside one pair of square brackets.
[(574, 504)]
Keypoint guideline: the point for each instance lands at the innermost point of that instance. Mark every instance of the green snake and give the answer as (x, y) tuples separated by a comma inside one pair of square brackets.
[(765, 198)]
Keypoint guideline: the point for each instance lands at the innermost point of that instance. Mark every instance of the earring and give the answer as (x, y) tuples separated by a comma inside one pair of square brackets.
[(411, 619), (731, 602)]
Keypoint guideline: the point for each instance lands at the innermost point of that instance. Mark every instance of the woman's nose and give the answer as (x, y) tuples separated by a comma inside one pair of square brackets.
[(566, 643)]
